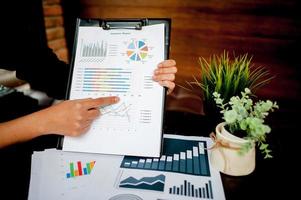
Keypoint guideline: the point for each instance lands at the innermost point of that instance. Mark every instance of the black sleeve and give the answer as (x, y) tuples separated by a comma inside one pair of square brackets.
[(24, 48), (45, 73)]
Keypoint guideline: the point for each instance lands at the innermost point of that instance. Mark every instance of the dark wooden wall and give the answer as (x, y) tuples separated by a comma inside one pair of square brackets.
[(267, 29), (54, 24)]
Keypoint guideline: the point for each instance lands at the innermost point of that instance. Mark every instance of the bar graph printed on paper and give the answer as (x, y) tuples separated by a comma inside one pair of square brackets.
[(93, 52), (190, 190), (78, 169), (180, 156), (111, 80)]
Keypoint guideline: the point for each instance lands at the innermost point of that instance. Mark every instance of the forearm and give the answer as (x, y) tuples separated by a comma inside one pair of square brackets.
[(20, 130), (70, 118)]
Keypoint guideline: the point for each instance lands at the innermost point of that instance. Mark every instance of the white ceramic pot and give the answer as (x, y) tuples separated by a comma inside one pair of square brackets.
[(226, 159)]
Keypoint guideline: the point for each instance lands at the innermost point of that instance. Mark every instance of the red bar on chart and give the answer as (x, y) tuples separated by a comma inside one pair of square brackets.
[(79, 166)]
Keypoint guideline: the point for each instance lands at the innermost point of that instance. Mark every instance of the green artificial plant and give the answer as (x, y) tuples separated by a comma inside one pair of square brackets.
[(228, 76), (245, 118)]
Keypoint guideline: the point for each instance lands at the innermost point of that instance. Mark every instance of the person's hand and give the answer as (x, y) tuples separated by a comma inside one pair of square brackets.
[(73, 117), (165, 74)]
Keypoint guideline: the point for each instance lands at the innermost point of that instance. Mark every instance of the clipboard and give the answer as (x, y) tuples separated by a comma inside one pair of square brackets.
[(111, 25)]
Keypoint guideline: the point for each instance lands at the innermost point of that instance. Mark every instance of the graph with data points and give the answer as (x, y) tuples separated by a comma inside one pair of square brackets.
[(137, 50), (118, 110), (110, 80), (93, 51), (191, 190), (155, 183), (79, 169), (185, 157)]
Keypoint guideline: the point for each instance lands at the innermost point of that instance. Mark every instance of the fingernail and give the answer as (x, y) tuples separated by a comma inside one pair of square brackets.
[(156, 71), (160, 65), (116, 99), (154, 77)]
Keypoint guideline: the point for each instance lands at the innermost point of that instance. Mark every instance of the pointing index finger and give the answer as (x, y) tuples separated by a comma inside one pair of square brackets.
[(102, 101)]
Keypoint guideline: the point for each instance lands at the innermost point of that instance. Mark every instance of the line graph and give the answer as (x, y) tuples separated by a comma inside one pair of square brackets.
[(155, 183), (119, 110)]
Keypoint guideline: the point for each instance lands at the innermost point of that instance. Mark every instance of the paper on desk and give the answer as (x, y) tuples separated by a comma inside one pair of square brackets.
[(182, 172)]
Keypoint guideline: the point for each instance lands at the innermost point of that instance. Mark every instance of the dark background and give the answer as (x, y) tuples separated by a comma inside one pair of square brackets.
[(268, 30)]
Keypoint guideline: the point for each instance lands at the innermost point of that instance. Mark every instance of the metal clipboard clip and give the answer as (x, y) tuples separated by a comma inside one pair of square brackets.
[(124, 24)]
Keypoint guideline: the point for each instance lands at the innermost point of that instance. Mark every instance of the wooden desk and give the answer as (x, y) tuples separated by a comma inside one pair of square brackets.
[(270, 180), (271, 177)]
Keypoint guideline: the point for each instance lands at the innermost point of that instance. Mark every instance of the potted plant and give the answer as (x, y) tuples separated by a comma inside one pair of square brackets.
[(243, 129), (228, 76)]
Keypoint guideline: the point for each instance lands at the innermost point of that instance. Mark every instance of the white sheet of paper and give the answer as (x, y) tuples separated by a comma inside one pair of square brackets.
[(120, 63), (110, 179)]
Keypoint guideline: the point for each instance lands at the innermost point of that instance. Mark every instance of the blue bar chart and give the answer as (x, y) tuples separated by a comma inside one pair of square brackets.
[(190, 190), (111, 80), (180, 156)]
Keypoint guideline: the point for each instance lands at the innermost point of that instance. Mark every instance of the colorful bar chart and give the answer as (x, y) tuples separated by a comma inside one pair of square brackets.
[(180, 156), (77, 169), (112, 80), (188, 189)]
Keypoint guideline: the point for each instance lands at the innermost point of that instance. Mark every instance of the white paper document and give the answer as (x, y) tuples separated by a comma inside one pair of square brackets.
[(183, 172), (120, 62)]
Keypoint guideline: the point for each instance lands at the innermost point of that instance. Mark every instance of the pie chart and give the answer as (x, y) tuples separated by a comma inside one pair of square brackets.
[(137, 50)]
